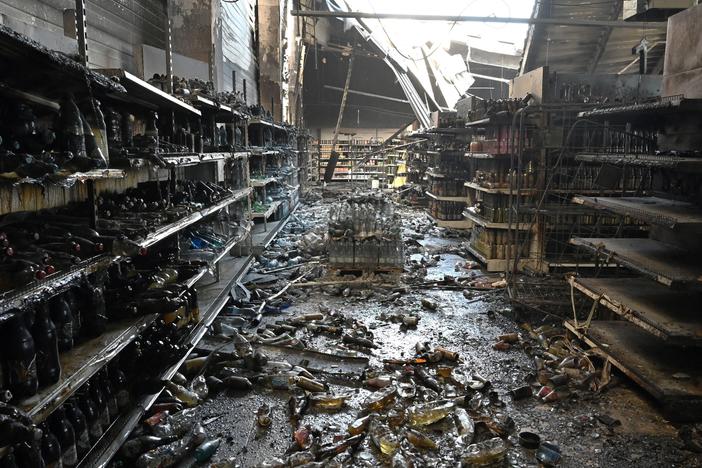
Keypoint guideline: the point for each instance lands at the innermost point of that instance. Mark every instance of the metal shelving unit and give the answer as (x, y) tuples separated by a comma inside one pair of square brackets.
[(214, 297)]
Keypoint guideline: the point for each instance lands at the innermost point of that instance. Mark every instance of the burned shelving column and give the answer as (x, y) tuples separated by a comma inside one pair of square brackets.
[(303, 159), (446, 171), (527, 171), (122, 214), (500, 238), (445, 191), (419, 157), (656, 297), (274, 174), (649, 326)]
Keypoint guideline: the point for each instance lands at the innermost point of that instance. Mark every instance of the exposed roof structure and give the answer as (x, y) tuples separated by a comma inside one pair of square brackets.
[(431, 75), (588, 49)]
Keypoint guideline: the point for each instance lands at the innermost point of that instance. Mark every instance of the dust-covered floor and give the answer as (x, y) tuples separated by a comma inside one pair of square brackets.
[(616, 426)]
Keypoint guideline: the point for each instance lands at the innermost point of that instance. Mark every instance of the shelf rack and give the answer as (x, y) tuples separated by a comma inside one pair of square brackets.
[(653, 210), (499, 190), (121, 89), (445, 198), (170, 229), (670, 315), (470, 214), (141, 92), (452, 224), (51, 285), (664, 371), (214, 297), (668, 264), (82, 362), (661, 161)]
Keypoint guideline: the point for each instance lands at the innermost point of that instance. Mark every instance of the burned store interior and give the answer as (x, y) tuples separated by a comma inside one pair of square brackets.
[(350, 233)]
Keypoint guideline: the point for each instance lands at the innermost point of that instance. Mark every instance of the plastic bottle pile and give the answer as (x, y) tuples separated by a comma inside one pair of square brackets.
[(364, 232)]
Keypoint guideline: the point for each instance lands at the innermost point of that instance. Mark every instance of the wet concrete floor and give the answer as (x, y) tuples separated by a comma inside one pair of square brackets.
[(469, 326)]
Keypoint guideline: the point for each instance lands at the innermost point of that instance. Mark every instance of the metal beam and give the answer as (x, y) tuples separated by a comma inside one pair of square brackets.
[(636, 60), (335, 137), (475, 19), (604, 37), (362, 93), (530, 39)]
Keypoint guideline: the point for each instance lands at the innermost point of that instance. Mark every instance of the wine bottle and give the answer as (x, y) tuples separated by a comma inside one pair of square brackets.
[(72, 128), (90, 410), (20, 356), (64, 432), (94, 314), (46, 343), (63, 320), (78, 421), (50, 449), (100, 403)]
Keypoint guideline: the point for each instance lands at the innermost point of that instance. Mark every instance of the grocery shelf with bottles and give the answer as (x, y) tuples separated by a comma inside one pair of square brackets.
[(125, 218)]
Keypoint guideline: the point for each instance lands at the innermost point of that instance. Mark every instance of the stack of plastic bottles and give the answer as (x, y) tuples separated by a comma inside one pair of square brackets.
[(364, 233)]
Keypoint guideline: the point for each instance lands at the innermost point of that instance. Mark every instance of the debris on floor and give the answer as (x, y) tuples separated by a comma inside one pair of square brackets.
[(370, 375)]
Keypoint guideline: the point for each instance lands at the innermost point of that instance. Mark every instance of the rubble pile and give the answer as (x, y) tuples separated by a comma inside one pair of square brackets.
[(342, 374)]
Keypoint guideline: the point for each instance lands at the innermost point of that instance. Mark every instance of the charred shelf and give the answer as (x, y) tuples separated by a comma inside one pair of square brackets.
[(453, 223), (471, 215), (212, 299), (487, 155), (198, 158), (670, 315), (644, 112), (170, 229), (259, 151), (183, 160), (267, 123), (654, 210), (82, 362), (463, 199), (263, 182), (146, 94), (670, 374), (230, 245), (500, 190), (51, 285), (663, 161), (62, 280), (269, 211), (667, 264), (493, 265), (65, 179)]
